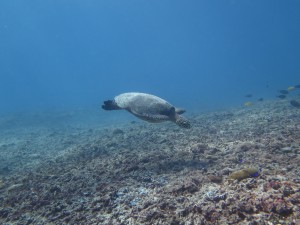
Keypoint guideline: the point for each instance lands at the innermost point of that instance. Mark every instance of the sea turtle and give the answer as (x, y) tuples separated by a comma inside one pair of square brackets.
[(147, 107)]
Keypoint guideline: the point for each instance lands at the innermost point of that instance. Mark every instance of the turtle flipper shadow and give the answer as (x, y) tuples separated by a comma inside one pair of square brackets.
[(152, 118)]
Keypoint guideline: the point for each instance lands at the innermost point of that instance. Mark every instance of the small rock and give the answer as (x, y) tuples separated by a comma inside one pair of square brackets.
[(185, 186), (117, 131), (215, 178), (1, 184), (199, 148), (14, 187), (287, 149)]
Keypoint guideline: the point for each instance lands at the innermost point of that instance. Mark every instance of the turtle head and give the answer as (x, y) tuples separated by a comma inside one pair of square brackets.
[(182, 122), (110, 105)]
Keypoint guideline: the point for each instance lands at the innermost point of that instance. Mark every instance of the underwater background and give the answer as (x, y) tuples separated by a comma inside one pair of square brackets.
[(233, 65), (201, 55)]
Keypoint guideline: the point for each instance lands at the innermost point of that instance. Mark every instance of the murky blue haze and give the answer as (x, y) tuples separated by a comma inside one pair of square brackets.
[(65, 160), (200, 55)]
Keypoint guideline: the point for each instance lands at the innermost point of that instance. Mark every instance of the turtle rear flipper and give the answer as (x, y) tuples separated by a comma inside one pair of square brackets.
[(110, 105), (182, 122), (179, 111)]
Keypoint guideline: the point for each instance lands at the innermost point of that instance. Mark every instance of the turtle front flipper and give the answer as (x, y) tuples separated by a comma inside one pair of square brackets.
[(110, 105)]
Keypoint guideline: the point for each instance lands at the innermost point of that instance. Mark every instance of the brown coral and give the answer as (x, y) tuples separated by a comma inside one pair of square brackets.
[(242, 174)]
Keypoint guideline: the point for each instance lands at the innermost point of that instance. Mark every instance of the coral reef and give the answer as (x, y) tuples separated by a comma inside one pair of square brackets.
[(139, 173)]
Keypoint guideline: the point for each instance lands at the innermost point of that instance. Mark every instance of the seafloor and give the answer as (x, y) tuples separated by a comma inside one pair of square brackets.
[(55, 172)]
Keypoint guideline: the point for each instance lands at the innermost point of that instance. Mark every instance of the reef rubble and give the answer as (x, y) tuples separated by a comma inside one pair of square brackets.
[(140, 173)]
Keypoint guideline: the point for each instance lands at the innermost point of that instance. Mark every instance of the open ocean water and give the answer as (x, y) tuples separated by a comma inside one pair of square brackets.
[(233, 66)]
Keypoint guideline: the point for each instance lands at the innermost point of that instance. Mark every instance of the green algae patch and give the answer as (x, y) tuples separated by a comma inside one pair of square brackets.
[(244, 173)]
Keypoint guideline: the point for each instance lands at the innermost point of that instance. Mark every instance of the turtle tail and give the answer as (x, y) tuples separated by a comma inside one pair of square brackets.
[(110, 105)]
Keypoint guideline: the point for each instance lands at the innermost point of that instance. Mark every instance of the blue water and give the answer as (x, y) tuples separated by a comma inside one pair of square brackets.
[(200, 55)]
